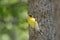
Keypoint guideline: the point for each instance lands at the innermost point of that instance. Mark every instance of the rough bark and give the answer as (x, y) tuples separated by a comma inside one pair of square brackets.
[(43, 11)]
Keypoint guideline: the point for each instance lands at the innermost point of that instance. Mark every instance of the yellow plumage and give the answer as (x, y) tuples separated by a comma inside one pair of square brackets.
[(31, 21), (33, 24)]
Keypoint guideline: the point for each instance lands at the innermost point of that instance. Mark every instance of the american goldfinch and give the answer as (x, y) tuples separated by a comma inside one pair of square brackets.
[(33, 23)]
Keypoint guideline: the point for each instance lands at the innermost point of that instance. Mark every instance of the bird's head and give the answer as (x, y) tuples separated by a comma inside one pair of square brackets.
[(30, 15)]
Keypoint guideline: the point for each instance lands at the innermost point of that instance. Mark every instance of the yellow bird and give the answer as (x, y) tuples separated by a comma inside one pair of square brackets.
[(33, 23)]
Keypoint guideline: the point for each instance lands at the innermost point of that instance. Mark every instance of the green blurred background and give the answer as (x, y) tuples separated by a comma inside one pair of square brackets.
[(13, 25)]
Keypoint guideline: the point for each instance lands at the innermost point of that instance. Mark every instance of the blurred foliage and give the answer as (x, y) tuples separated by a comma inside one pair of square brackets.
[(13, 25)]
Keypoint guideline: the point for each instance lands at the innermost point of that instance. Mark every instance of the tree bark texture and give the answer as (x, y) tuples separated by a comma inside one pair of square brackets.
[(43, 11)]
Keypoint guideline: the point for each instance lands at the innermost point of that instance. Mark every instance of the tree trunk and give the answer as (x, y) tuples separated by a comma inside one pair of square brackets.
[(43, 11), (57, 18)]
